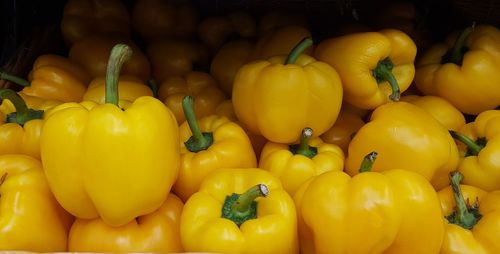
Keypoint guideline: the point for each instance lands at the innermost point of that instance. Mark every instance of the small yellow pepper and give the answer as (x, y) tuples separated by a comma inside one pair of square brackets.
[(344, 128), (279, 97), (465, 71), (375, 67), (199, 85), (208, 145), (294, 164), (396, 211), (30, 217), (472, 215), (158, 231), (116, 163), (240, 210), (407, 138), (129, 87)]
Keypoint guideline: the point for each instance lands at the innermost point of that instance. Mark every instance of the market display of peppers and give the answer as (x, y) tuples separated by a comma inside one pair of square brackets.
[(235, 133)]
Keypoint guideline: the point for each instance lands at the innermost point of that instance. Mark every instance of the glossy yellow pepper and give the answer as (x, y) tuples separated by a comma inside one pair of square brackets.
[(158, 231), (207, 145), (465, 71), (396, 211), (375, 67), (294, 164), (82, 18), (30, 217), (129, 88), (228, 60), (92, 53), (112, 162), (442, 110), (279, 42), (199, 85), (171, 57), (480, 151), (155, 19), (407, 138), (240, 210), (344, 128), (473, 217), (277, 98)]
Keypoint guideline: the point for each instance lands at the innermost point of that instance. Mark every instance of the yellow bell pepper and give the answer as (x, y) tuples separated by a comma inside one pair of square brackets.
[(171, 57), (396, 211), (158, 232), (155, 19), (92, 54), (442, 110), (280, 42), (207, 145), (129, 87), (279, 97), (294, 164), (342, 131), (82, 18), (196, 84), (240, 210), (214, 31), (375, 67), (481, 150), (472, 215), (277, 19), (407, 138), (464, 71), (30, 217), (116, 163), (228, 60)]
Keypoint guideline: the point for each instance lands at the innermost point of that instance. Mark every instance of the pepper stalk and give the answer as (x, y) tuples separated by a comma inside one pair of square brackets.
[(367, 163), (298, 50), (199, 140), (242, 207), (23, 114), (464, 214), (303, 147), (119, 55)]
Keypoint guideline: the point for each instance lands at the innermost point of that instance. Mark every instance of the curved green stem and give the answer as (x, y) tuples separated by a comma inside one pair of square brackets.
[(464, 214), (457, 53), (473, 147), (119, 55), (298, 50), (154, 87), (14, 79), (367, 163), (242, 207), (23, 114), (383, 72), (303, 147), (199, 141)]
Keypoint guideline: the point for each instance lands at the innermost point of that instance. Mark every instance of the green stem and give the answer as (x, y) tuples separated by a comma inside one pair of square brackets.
[(154, 87), (464, 215), (298, 50), (242, 207), (199, 141), (383, 72), (119, 55), (473, 147), (303, 147), (367, 163), (23, 114), (457, 53), (14, 79)]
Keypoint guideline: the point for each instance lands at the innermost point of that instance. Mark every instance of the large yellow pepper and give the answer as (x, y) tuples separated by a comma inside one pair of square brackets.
[(294, 164), (407, 138), (92, 54), (82, 18), (199, 85), (279, 97), (375, 67), (240, 211), (442, 110), (158, 231), (30, 217), (396, 211), (481, 150), (465, 71), (473, 217), (129, 87), (207, 145), (112, 162), (344, 128)]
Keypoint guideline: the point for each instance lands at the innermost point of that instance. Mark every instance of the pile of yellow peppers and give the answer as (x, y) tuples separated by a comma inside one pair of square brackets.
[(231, 134)]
